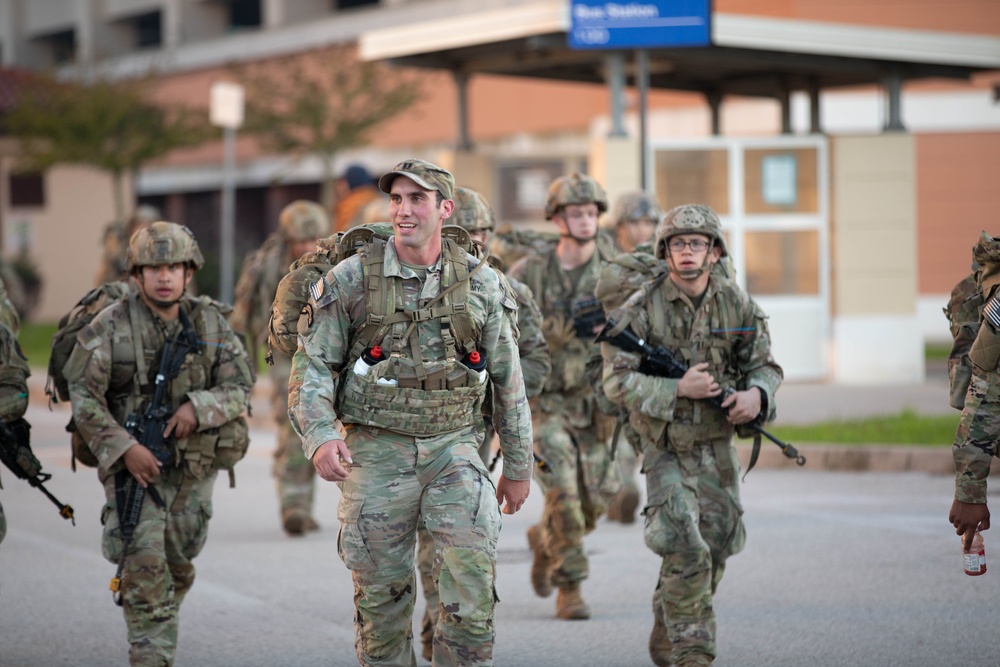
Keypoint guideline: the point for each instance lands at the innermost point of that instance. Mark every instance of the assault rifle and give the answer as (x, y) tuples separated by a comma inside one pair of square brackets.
[(147, 428), (661, 362), (15, 452), (587, 315)]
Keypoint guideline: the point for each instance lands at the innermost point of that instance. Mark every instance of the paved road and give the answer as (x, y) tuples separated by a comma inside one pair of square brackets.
[(840, 569)]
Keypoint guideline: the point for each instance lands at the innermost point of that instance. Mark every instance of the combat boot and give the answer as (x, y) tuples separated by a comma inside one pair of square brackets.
[(297, 522), (627, 505), (660, 648), (541, 567), (569, 603)]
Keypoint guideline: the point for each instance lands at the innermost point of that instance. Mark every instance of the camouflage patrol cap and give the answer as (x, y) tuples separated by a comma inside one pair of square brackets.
[(577, 189), (472, 211), (303, 220), (426, 175), (163, 243), (633, 206), (689, 219)]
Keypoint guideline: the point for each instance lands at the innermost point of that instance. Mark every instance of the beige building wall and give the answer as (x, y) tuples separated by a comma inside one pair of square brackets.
[(63, 236), (877, 339)]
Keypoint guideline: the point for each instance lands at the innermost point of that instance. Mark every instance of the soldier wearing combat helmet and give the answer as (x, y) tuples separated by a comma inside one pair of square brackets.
[(300, 225), (114, 263), (693, 516), (571, 435), (634, 219), (111, 375)]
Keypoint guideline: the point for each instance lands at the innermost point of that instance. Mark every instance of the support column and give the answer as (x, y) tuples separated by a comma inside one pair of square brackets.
[(876, 333), (714, 99), (894, 94), (785, 99), (462, 90), (615, 77), (814, 122)]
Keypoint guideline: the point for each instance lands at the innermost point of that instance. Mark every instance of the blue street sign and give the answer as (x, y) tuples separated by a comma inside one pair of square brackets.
[(599, 24)]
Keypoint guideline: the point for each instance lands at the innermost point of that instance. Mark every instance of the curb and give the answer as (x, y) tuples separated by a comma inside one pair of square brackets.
[(856, 458)]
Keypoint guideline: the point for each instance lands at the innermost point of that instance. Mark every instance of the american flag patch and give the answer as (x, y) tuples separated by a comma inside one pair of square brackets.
[(316, 289)]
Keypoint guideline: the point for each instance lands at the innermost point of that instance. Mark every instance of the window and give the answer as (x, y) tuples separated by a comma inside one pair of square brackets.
[(348, 4), (148, 31), (26, 190), (244, 14)]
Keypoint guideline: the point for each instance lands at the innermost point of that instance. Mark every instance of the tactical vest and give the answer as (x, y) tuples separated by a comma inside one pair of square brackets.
[(710, 335), (569, 353), (425, 397), (131, 385)]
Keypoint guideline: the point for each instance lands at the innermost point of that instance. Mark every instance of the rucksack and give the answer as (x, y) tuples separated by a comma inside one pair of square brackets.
[(259, 270), (63, 342), (292, 296)]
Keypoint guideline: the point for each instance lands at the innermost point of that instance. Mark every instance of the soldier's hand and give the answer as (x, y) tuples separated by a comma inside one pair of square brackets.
[(698, 383), (744, 406), (327, 460), (514, 492), (142, 464), (182, 423), (968, 518)]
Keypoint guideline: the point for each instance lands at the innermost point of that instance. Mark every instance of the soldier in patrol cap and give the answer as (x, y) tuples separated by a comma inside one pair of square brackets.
[(693, 515), (474, 214), (395, 347), (571, 434), (300, 225), (111, 374)]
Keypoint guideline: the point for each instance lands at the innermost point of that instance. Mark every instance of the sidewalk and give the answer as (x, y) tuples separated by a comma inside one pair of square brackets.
[(798, 403)]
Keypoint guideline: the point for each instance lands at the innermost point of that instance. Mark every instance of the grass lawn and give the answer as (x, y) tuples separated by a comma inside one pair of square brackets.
[(907, 428), (36, 342)]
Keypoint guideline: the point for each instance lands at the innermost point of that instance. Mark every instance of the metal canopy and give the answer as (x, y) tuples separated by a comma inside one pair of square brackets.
[(750, 56)]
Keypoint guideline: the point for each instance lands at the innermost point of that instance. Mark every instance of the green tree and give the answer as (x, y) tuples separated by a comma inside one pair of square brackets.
[(321, 103), (101, 122)]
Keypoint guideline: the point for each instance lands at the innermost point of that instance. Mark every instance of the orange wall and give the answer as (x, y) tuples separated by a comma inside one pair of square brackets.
[(975, 16), (957, 198)]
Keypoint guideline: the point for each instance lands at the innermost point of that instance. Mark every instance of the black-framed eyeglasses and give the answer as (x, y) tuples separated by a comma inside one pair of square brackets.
[(697, 245)]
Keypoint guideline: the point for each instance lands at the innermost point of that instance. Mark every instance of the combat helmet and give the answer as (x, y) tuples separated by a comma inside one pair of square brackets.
[(303, 220), (472, 211), (689, 219), (163, 243), (633, 206), (576, 189)]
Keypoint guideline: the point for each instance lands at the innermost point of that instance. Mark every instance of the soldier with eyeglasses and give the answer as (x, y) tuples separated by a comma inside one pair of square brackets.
[(693, 515)]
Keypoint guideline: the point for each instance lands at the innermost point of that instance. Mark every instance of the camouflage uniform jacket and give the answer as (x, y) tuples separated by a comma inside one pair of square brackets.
[(106, 383), (567, 390), (534, 351), (114, 262), (8, 313), (255, 289), (14, 371), (978, 429), (324, 354), (728, 330)]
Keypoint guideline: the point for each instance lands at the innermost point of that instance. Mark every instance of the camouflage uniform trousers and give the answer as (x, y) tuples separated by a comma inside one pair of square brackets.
[(293, 472), (581, 481), (694, 521), (426, 563), (396, 483), (158, 569)]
